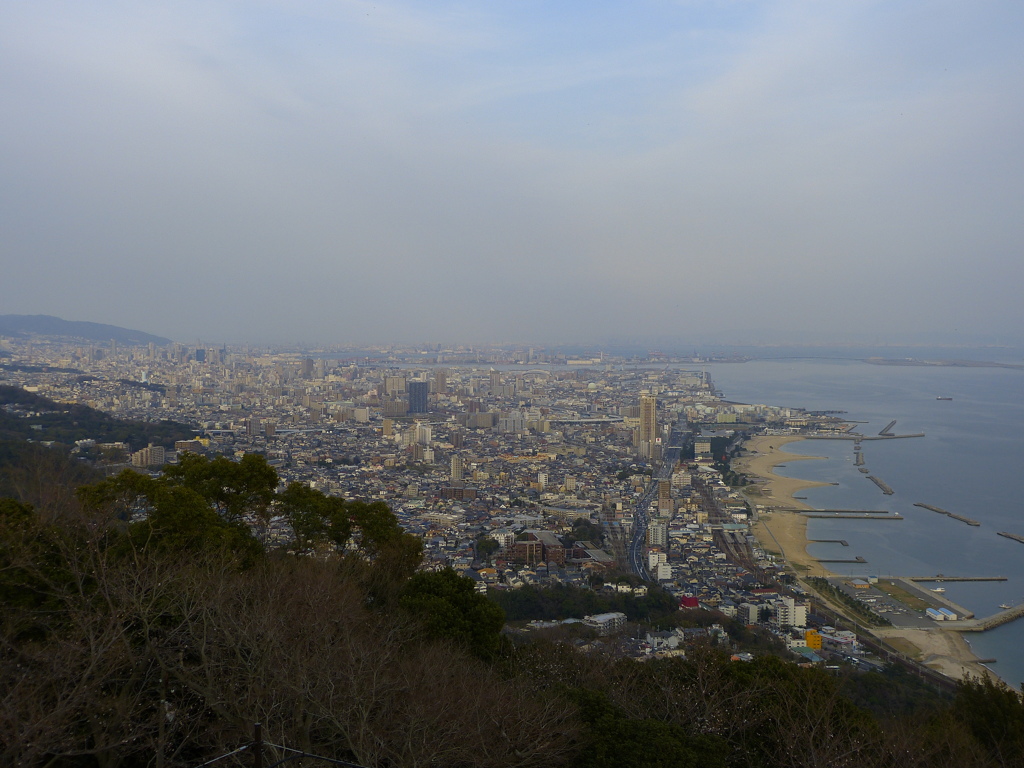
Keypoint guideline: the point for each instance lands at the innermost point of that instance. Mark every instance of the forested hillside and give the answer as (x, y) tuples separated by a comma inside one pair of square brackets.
[(153, 621), (26, 415)]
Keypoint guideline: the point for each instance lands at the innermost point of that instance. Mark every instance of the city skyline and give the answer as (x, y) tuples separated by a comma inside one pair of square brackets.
[(407, 173)]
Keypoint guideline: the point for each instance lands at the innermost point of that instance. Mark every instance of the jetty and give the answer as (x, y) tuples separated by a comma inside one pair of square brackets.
[(885, 488), (860, 437), (947, 513), (934, 597), (852, 516), (1014, 536), (844, 542), (940, 577), (887, 431), (857, 559), (989, 622)]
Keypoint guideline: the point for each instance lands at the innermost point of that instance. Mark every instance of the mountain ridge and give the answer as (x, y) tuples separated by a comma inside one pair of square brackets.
[(49, 325)]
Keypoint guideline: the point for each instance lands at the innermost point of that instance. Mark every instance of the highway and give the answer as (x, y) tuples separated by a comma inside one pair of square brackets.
[(635, 551)]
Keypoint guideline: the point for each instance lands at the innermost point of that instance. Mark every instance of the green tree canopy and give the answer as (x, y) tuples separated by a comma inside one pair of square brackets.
[(449, 607)]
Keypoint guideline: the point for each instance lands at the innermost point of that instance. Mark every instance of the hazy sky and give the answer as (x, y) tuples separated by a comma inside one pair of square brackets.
[(566, 171)]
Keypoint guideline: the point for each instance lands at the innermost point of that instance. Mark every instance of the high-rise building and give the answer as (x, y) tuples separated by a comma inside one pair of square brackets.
[(657, 535), (648, 418), (394, 385), (418, 396), (495, 381), (457, 469), (440, 381), (424, 433), (665, 498)]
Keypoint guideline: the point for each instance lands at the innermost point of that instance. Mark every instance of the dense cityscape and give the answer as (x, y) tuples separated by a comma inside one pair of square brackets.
[(520, 468)]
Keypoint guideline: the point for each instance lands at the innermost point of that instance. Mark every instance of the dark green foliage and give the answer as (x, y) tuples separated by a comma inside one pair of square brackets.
[(235, 488), (65, 424), (97, 610), (584, 530), (449, 607), (173, 518), (851, 605), (567, 602), (486, 547), (40, 476), (892, 692), (314, 516), (615, 740), (995, 717)]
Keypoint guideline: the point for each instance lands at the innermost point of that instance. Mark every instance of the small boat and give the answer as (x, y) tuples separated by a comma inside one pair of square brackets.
[(1005, 606), (940, 590), (943, 398)]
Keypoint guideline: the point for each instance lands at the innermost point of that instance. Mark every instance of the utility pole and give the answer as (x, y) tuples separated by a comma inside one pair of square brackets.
[(257, 745)]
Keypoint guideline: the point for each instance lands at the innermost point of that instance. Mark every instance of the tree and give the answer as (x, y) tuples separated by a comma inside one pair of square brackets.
[(486, 547), (449, 607), (235, 488), (995, 716)]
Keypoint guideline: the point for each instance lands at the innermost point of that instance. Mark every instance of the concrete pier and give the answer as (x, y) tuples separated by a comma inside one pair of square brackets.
[(935, 597), (852, 516), (989, 622), (947, 513), (940, 577), (884, 488)]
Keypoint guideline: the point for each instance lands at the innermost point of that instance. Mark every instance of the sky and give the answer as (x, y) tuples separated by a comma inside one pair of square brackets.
[(335, 172)]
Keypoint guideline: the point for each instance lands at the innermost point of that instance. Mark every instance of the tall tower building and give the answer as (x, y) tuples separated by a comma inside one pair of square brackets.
[(440, 381), (648, 419), (418, 396), (457, 469), (495, 381)]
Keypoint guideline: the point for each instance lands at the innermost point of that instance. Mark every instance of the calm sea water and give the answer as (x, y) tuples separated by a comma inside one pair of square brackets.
[(970, 462)]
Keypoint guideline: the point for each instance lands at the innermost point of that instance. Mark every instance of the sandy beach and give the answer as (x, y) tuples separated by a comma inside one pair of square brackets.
[(785, 532), (778, 529), (944, 651)]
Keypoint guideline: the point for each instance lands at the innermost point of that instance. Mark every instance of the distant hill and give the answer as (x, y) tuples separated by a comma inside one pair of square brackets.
[(26, 415), (48, 325)]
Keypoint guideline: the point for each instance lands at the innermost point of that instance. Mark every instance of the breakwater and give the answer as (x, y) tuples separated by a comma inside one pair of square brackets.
[(989, 622), (947, 513), (940, 577), (856, 437), (1014, 536), (852, 516), (885, 488), (887, 431)]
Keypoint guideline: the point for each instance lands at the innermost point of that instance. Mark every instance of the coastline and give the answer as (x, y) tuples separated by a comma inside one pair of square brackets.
[(779, 530)]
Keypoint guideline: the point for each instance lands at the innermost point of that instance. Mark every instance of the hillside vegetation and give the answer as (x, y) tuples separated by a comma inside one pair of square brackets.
[(152, 621)]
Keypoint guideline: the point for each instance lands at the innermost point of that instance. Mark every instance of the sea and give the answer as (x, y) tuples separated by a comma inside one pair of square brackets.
[(970, 462)]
